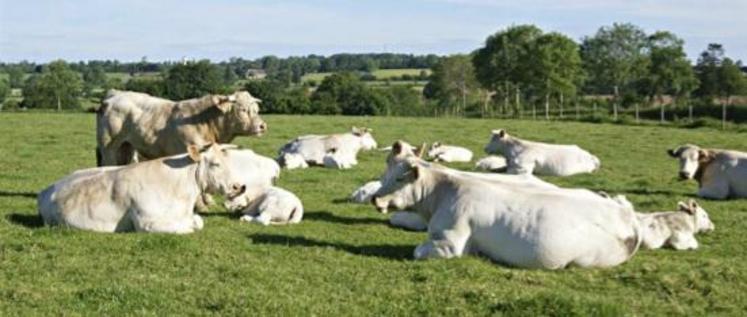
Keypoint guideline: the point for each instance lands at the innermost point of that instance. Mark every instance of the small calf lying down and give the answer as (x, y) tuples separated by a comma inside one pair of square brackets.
[(449, 153), (492, 163), (363, 194), (675, 229), (340, 159), (720, 174), (267, 206), (292, 161)]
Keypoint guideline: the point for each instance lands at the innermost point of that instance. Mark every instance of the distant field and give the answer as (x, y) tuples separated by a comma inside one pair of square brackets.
[(344, 259), (381, 74)]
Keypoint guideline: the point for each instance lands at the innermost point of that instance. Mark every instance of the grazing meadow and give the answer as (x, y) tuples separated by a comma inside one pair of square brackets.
[(343, 258)]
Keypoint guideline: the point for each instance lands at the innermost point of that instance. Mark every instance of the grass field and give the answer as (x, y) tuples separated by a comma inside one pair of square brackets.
[(344, 259)]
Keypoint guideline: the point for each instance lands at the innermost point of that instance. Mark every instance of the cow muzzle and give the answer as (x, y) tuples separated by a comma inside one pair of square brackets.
[(380, 205)]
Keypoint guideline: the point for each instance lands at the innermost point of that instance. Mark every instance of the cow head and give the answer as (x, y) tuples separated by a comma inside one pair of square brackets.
[(497, 141), (691, 158), (434, 150), (702, 221), (242, 113), (400, 180), (214, 172), (366, 139)]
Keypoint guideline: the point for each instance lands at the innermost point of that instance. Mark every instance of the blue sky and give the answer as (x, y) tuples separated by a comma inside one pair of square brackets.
[(42, 30)]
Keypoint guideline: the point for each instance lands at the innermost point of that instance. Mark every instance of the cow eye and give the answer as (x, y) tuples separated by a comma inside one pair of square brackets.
[(214, 164)]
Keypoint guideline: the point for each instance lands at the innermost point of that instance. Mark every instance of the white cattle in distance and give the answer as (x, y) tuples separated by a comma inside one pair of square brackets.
[(449, 153), (541, 158), (721, 174), (152, 196), (520, 226), (292, 161), (340, 159), (267, 206), (675, 229), (492, 163), (313, 148)]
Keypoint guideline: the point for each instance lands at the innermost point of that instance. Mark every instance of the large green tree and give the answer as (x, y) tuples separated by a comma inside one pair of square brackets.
[(669, 72), (453, 83), (58, 87), (15, 76), (4, 90), (193, 79), (555, 67), (502, 64), (93, 77), (615, 59)]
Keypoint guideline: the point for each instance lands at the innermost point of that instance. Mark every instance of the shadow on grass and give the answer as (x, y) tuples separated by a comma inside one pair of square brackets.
[(223, 214), (18, 194), (26, 220), (394, 252), (330, 217), (642, 191), (338, 201)]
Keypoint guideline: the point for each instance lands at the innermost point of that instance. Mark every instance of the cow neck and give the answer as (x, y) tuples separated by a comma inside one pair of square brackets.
[(700, 171), (432, 182), (219, 128), (199, 169)]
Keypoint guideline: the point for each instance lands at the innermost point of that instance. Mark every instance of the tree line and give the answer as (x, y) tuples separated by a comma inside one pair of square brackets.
[(519, 71)]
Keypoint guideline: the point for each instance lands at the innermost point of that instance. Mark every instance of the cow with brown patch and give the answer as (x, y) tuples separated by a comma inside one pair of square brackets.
[(720, 174)]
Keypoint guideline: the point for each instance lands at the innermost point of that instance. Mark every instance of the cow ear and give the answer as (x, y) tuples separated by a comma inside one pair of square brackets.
[(682, 206), (672, 153), (499, 133), (397, 147), (223, 103), (194, 152), (705, 155), (693, 205), (356, 131)]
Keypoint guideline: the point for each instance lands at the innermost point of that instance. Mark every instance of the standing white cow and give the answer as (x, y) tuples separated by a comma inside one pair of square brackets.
[(720, 174), (266, 206), (524, 227), (151, 196), (541, 158), (449, 153), (314, 148), (132, 124), (675, 229)]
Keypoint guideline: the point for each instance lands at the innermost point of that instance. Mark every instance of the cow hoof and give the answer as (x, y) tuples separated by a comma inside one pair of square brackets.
[(198, 222)]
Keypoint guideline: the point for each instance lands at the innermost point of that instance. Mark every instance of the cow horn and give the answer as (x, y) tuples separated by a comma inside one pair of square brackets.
[(422, 150)]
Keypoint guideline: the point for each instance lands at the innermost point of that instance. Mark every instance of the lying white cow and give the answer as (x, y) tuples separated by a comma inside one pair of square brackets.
[(152, 196), (720, 174), (270, 205), (449, 153), (313, 148), (363, 194), (492, 163), (292, 161), (675, 229), (524, 227), (541, 158), (340, 159)]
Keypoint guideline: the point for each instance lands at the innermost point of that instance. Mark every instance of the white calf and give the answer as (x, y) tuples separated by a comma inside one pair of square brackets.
[(675, 229), (271, 205)]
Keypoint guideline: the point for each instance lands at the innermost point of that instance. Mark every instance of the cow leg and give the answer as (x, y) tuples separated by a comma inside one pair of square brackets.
[(182, 225), (126, 154), (683, 241), (408, 220), (447, 238), (263, 218)]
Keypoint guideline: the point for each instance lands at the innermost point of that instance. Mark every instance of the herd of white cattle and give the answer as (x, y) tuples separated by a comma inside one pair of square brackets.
[(161, 160)]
